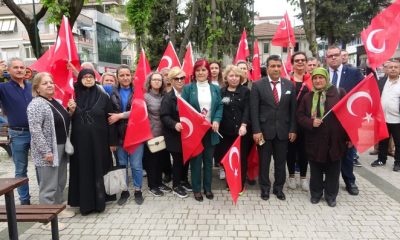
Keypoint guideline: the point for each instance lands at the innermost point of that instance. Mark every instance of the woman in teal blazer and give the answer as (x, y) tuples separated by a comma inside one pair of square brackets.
[(206, 99)]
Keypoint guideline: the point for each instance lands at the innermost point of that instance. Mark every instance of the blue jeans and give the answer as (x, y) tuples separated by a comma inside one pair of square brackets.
[(135, 162), (20, 144)]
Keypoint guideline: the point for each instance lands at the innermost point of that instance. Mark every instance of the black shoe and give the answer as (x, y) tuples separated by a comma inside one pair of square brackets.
[(264, 196), (198, 196), (315, 200), (251, 182), (156, 192), (280, 195), (209, 195), (352, 189), (164, 188), (138, 197), (167, 178), (396, 166), (180, 192), (356, 163), (377, 163), (26, 202), (331, 203), (186, 185), (124, 197)]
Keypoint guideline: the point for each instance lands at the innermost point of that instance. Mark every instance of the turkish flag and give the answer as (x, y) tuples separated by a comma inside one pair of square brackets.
[(169, 59), (253, 163), (43, 63), (188, 63), (284, 35), (64, 51), (360, 113), (256, 74), (288, 64), (231, 162), (195, 126), (139, 129), (243, 49), (382, 37)]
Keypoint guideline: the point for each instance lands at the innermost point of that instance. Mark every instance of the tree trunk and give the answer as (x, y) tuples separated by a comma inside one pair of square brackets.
[(309, 24), (172, 21), (214, 50), (188, 30)]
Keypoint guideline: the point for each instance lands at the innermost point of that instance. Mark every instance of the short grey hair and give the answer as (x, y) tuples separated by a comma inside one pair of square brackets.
[(13, 59)]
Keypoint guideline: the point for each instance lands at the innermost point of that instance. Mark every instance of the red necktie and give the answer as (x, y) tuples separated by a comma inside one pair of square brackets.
[(275, 92)]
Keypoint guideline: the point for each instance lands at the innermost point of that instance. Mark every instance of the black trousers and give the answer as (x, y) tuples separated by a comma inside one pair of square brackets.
[(330, 186), (296, 153), (394, 131), (154, 162), (278, 149), (179, 171)]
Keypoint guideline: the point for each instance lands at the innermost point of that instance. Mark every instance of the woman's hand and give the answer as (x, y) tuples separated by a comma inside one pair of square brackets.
[(317, 122), (71, 106), (49, 157), (114, 117), (215, 126), (178, 127), (242, 130)]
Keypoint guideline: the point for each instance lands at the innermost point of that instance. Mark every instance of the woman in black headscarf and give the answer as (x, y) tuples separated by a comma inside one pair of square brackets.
[(92, 138)]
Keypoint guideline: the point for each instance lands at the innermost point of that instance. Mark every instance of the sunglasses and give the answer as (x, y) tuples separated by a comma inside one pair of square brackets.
[(299, 60), (179, 78)]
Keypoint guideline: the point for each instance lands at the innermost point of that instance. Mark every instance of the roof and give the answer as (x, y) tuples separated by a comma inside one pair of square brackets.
[(267, 30)]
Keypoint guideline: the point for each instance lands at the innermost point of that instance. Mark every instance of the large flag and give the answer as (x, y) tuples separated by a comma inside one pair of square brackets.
[(188, 63), (243, 49), (256, 74), (195, 126), (360, 113), (43, 63), (139, 129), (382, 37), (284, 35), (231, 162), (169, 59)]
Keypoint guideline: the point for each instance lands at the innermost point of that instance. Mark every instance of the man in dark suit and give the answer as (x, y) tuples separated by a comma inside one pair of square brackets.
[(273, 109), (346, 77)]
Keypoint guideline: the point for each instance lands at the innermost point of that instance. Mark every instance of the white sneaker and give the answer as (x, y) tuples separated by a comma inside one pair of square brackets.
[(291, 183), (66, 214), (47, 226), (304, 184), (221, 174)]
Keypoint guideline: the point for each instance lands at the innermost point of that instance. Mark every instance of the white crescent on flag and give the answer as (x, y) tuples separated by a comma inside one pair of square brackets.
[(189, 124), (169, 60), (371, 47), (234, 151), (355, 96)]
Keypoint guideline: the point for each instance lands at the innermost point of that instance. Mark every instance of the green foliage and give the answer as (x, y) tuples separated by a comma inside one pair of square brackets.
[(139, 15), (56, 9)]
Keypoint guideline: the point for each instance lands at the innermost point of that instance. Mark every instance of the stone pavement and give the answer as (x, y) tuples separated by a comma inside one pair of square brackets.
[(374, 214)]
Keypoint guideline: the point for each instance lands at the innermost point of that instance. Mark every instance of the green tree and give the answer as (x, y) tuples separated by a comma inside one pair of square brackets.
[(55, 10)]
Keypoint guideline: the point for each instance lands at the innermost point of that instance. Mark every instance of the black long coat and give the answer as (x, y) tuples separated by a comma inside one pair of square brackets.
[(169, 117)]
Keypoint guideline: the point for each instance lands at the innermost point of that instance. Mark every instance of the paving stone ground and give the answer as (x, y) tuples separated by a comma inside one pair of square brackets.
[(373, 214)]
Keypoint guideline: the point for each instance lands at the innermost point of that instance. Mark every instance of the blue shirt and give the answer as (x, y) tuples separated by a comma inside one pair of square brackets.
[(124, 93), (15, 101)]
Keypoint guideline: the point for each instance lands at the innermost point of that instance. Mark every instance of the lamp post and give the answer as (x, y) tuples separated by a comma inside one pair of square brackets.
[(36, 30)]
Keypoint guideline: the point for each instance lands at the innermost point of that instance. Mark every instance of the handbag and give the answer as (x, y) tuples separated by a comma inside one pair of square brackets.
[(69, 148), (115, 179), (156, 144)]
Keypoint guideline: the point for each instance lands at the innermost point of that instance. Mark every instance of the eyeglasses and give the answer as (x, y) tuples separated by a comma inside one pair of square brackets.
[(312, 64), (299, 60), (88, 77), (179, 78), (336, 55), (156, 80)]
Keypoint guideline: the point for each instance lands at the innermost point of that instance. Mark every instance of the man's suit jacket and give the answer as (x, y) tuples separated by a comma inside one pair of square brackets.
[(350, 77), (268, 118)]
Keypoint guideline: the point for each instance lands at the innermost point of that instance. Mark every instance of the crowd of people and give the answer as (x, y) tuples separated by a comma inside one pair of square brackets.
[(286, 118)]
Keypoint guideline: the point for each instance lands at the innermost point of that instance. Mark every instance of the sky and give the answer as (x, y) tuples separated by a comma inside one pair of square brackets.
[(276, 8)]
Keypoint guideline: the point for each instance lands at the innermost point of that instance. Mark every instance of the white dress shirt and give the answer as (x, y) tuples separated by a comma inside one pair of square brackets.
[(204, 97), (278, 86), (339, 74), (390, 101)]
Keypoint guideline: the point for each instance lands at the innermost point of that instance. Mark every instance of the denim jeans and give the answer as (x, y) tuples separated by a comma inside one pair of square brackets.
[(135, 162), (20, 144)]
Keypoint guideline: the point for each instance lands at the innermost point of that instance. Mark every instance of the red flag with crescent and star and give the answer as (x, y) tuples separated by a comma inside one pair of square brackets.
[(169, 59), (256, 74), (382, 36), (243, 49), (195, 126), (188, 63), (360, 113), (284, 35), (139, 129), (231, 162)]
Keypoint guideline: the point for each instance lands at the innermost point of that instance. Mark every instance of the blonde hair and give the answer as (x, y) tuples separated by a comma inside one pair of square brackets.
[(108, 74), (37, 80), (234, 69), (175, 71)]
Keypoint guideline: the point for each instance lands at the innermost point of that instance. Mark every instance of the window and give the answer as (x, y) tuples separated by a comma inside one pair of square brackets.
[(7, 25), (266, 47), (109, 44), (29, 53)]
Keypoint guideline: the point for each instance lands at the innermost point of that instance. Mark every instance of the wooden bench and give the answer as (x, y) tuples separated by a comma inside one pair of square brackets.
[(4, 139), (36, 213)]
